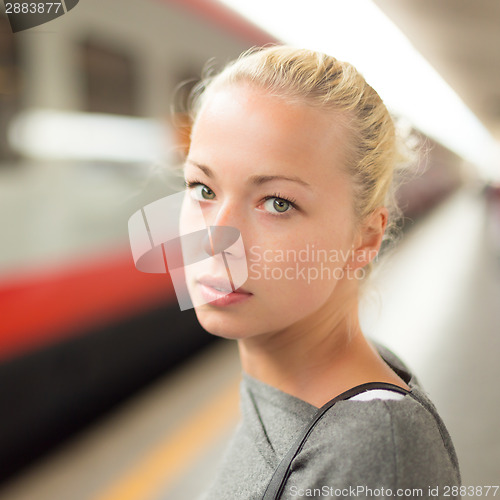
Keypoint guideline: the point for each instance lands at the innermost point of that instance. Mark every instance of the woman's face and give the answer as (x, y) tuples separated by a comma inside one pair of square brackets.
[(273, 170)]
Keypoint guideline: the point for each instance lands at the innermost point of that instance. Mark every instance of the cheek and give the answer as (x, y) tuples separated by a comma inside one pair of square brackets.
[(308, 269), (303, 264)]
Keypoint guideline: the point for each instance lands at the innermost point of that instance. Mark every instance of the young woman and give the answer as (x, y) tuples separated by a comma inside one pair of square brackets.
[(295, 150)]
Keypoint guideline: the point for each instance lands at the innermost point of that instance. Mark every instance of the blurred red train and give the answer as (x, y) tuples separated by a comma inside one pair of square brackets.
[(75, 341)]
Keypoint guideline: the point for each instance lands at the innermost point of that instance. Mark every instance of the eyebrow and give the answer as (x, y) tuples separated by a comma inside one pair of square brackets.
[(255, 179)]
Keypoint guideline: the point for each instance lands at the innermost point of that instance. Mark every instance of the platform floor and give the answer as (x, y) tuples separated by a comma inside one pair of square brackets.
[(436, 303)]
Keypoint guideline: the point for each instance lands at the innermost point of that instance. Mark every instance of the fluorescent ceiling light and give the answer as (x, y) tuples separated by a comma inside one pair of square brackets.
[(51, 134), (358, 32)]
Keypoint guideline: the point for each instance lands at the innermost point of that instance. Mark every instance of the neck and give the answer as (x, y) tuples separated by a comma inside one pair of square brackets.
[(318, 357)]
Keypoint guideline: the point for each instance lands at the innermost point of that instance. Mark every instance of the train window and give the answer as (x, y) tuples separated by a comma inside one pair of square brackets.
[(110, 78)]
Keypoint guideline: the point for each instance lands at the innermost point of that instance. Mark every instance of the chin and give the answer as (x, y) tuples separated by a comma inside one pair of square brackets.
[(223, 325)]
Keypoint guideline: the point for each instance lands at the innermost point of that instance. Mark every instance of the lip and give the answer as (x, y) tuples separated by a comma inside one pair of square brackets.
[(224, 297), (220, 282)]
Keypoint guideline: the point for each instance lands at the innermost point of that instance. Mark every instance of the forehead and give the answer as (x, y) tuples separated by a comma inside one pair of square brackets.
[(245, 126)]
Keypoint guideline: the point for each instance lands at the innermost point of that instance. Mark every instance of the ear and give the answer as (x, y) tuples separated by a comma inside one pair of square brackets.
[(368, 239)]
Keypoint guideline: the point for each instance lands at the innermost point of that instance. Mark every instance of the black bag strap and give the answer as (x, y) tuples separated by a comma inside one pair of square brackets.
[(277, 483)]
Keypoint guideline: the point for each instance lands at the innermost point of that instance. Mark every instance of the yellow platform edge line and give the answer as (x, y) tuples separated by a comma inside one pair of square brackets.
[(175, 452)]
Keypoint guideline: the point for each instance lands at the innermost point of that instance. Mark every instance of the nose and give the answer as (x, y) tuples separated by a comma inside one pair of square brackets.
[(222, 214), (220, 239), (224, 229)]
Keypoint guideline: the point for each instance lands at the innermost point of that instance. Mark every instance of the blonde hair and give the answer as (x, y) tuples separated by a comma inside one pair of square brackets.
[(306, 76)]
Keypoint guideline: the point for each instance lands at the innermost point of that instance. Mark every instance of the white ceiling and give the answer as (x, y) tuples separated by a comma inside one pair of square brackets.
[(461, 39)]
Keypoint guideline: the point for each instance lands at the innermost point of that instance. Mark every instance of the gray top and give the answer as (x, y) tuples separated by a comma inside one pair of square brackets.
[(357, 446)]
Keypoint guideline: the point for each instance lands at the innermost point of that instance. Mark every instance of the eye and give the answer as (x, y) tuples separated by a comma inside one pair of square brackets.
[(200, 191), (277, 205)]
